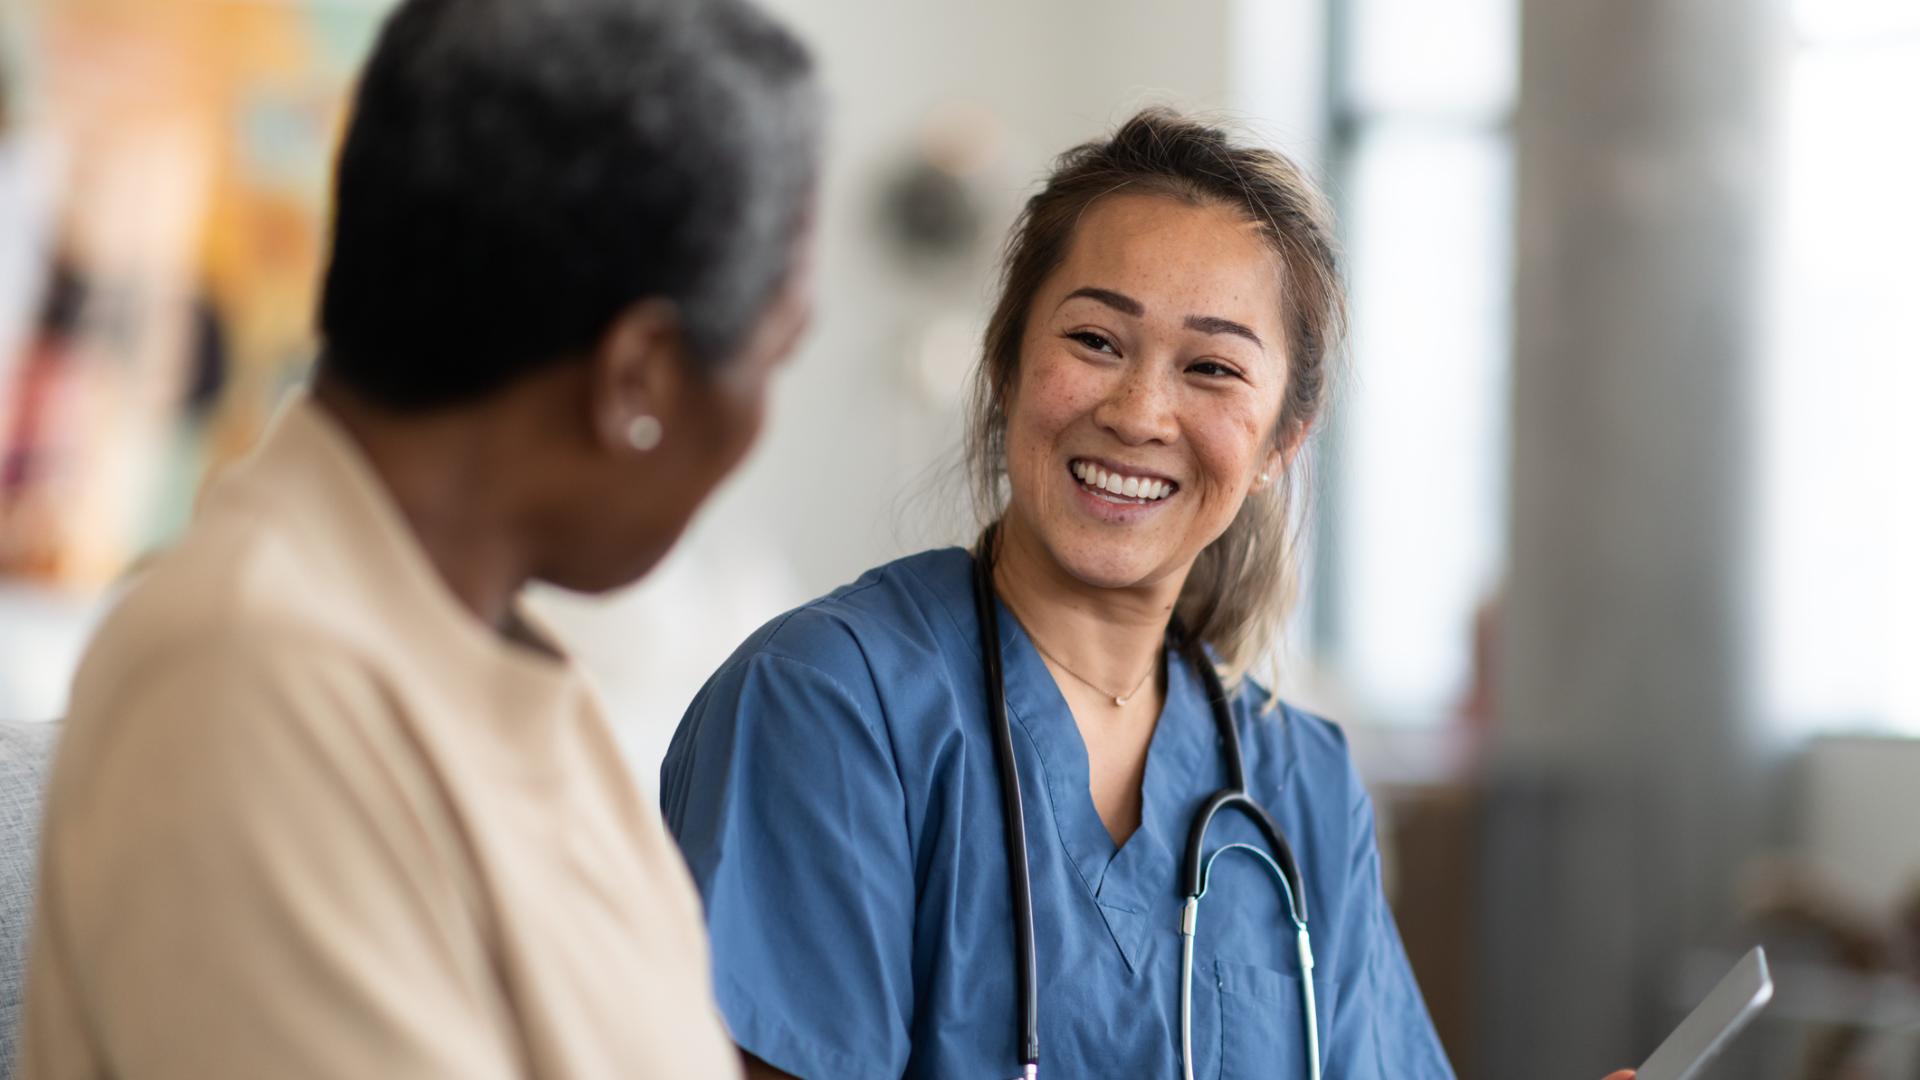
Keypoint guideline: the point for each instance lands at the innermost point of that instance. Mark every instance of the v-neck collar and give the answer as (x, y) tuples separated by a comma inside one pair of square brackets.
[(1126, 881), (1135, 887)]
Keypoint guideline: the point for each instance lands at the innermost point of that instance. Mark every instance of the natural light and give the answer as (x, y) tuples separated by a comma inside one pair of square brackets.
[(1841, 450)]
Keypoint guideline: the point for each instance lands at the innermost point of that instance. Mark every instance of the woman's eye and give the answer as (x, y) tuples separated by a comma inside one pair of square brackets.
[(1092, 340), (1213, 369)]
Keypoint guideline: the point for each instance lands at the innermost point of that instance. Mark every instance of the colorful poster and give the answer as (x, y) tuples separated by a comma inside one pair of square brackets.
[(194, 140)]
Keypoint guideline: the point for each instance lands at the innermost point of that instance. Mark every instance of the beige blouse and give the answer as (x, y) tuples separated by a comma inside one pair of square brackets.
[(311, 818)]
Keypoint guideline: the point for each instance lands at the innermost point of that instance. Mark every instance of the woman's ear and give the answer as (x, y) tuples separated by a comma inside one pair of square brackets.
[(636, 377), (1280, 456), (1296, 438), (1271, 470)]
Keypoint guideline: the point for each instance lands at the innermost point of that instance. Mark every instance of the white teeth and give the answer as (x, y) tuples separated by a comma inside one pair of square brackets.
[(1126, 487)]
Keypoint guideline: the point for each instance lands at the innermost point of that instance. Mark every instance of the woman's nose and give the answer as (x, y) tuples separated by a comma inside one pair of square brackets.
[(1139, 408)]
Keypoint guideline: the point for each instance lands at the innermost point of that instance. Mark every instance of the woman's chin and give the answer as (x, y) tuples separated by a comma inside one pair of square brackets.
[(1108, 565), (1098, 554)]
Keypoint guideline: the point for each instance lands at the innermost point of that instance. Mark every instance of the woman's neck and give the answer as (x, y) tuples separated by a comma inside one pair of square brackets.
[(1111, 638), (442, 474)]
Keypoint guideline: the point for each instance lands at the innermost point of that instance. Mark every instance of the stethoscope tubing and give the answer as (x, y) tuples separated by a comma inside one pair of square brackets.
[(1303, 945), (1019, 873), (1196, 869)]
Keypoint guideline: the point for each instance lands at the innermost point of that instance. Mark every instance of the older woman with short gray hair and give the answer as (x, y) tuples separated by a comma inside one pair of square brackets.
[(329, 803)]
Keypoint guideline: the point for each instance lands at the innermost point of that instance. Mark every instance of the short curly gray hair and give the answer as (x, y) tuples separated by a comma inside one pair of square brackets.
[(517, 172)]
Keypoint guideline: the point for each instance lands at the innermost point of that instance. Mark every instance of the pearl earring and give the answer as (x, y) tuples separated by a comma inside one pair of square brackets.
[(1265, 478), (644, 433)]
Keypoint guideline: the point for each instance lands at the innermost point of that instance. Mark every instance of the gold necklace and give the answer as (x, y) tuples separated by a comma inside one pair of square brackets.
[(1118, 699)]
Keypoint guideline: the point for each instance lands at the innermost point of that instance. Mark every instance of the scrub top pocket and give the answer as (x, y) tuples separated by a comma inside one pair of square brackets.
[(1262, 1033)]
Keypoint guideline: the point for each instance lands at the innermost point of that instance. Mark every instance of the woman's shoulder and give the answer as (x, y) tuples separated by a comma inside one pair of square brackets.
[(891, 618), (1289, 737)]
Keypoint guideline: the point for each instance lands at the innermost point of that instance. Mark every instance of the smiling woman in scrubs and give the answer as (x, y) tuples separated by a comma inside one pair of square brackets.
[(1156, 359)]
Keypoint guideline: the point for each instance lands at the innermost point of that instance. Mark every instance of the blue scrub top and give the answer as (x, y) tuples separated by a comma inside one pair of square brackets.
[(835, 792)]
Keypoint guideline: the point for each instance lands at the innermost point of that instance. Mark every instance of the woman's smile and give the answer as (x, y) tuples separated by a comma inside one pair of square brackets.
[(1107, 484)]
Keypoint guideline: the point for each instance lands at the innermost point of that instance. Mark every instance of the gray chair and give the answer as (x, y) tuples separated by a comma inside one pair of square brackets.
[(25, 752)]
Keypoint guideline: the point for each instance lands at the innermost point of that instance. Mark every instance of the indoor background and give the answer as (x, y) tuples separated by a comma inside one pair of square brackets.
[(1614, 562)]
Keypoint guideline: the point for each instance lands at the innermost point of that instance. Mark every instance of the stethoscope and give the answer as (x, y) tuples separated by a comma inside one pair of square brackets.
[(1197, 869)]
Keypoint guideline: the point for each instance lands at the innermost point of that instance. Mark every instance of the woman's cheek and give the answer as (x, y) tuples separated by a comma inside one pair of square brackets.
[(1058, 394), (1225, 446)]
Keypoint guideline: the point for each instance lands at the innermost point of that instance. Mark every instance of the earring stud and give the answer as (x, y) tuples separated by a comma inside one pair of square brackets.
[(644, 433)]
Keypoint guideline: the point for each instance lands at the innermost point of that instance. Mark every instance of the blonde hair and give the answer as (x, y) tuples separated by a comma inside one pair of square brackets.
[(1242, 584)]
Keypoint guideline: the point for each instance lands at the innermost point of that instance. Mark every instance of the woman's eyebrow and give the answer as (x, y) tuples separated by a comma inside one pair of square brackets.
[(1118, 301), (1214, 324), (1206, 324)]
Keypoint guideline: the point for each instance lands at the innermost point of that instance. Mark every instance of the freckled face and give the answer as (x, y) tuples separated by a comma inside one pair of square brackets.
[(1152, 371)]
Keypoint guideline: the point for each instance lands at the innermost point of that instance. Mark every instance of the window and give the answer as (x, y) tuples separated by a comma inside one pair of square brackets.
[(1414, 505), (1840, 444)]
